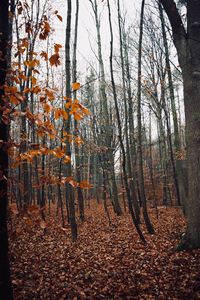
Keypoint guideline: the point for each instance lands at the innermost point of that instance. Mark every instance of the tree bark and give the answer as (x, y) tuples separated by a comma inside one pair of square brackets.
[(69, 189), (187, 43), (128, 122), (106, 138), (120, 132), (5, 282), (148, 224), (77, 152)]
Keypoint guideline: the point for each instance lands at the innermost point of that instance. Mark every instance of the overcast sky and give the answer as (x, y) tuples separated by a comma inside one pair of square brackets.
[(87, 31)]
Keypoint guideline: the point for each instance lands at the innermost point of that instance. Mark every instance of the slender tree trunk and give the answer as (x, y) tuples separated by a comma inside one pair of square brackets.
[(148, 224), (77, 152), (105, 122), (120, 132), (151, 167), (130, 165), (69, 189)]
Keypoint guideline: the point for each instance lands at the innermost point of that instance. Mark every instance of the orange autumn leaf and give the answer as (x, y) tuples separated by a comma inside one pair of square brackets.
[(36, 90), (67, 159), (58, 152), (33, 80), (45, 30), (57, 114), (59, 17), (31, 63), (75, 86), (65, 115), (55, 60), (40, 132), (68, 105), (57, 48), (67, 98), (14, 100), (10, 89), (84, 184), (22, 76), (44, 55), (47, 107), (78, 116), (73, 183), (27, 90), (79, 141), (50, 93)]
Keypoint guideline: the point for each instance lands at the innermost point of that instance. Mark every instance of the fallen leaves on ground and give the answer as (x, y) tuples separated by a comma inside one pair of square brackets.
[(107, 262)]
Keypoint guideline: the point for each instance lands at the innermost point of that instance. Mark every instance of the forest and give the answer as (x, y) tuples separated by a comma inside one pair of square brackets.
[(99, 149)]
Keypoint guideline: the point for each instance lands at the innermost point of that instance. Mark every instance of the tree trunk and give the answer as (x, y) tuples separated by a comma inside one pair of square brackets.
[(148, 224), (128, 121), (106, 129), (69, 189), (177, 167), (76, 131), (188, 49), (5, 282), (120, 132)]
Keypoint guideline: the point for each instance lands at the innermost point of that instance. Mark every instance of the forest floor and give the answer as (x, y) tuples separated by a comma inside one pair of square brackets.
[(107, 262)]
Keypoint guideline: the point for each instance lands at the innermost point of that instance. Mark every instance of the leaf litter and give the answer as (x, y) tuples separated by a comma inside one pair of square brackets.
[(106, 262)]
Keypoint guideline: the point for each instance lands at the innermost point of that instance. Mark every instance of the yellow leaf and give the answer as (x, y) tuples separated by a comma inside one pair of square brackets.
[(75, 86)]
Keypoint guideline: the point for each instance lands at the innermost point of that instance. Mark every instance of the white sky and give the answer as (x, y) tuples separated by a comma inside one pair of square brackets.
[(86, 47)]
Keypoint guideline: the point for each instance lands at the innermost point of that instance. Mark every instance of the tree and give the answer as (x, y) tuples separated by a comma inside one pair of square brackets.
[(134, 220), (77, 152), (187, 43), (5, 284), (69, 189), (141, 174), (129, 115), (107, 158)]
